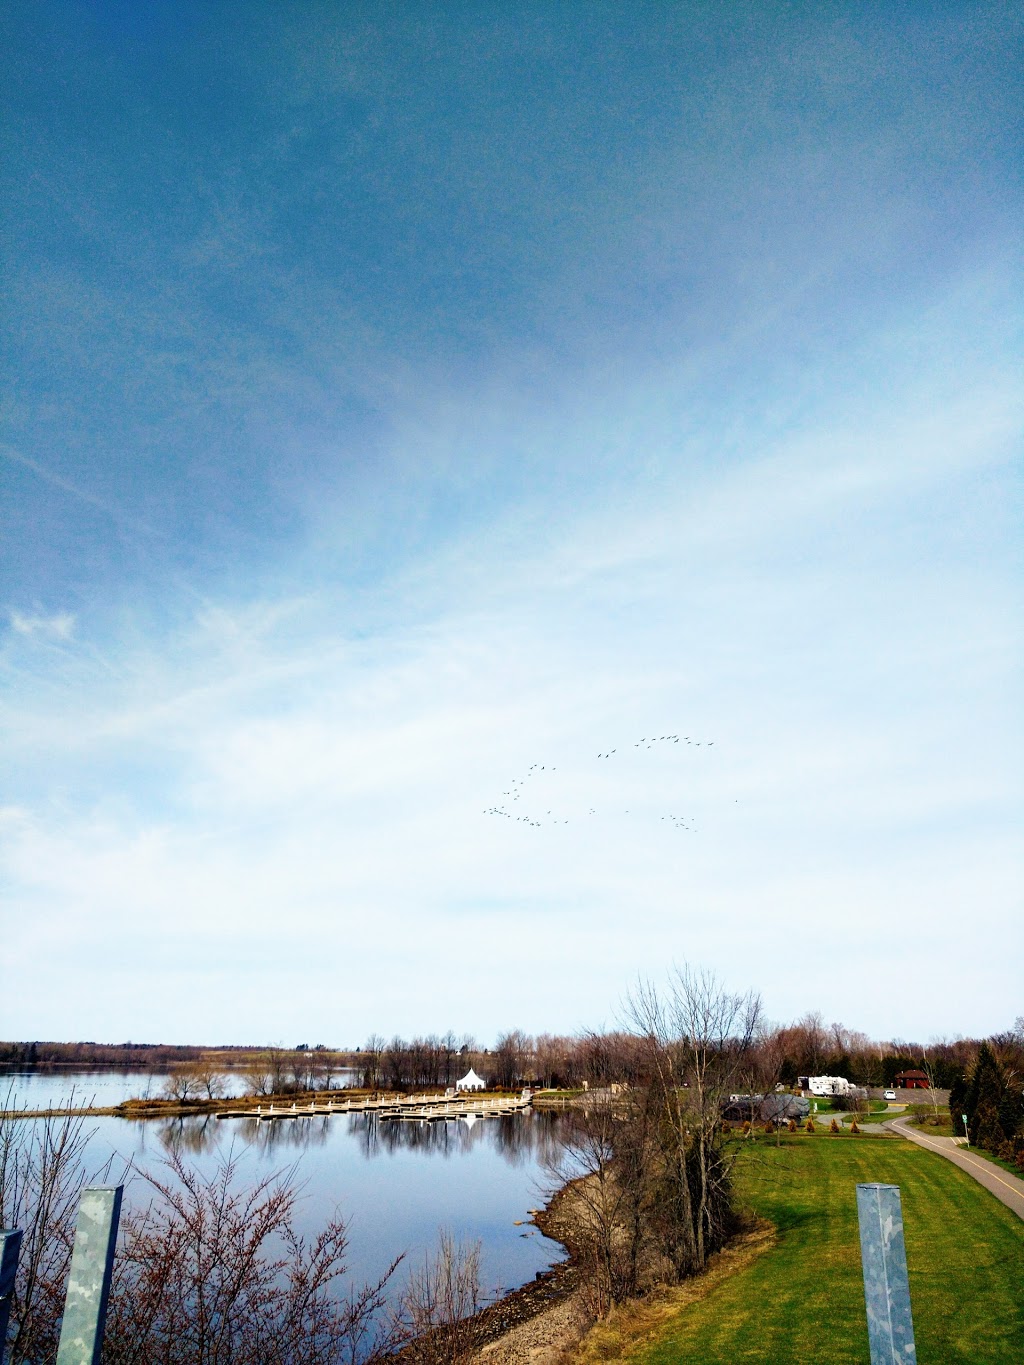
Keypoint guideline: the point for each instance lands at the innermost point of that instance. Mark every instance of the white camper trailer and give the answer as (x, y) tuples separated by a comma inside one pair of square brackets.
[(829, 1085)]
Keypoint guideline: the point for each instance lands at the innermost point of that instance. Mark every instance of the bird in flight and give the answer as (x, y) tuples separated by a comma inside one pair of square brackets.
[(518, 786)]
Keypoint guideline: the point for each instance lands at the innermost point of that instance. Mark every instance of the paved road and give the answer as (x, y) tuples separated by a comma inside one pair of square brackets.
[(1006, 1187)]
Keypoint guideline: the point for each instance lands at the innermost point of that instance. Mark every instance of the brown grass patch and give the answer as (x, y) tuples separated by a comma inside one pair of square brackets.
[(632, 1326)]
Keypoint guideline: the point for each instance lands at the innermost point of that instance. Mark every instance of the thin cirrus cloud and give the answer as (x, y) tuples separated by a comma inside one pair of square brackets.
[(58, 627)]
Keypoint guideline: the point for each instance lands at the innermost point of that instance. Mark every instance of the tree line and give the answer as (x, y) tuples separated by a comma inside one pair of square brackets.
[(45, 1055), (808, 1047)]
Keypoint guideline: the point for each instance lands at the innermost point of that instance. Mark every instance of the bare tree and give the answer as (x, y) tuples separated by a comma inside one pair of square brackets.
[(928, 1067), (269, 1072), (396, 1063), (585, 1165), (441, 1300), (450, 1050), (198, 1079), (608, 1162), (815, 1039), (551, 1059), (181, 1083), (372, 1053), (763, 1072), (310, 1069), (839, 1038), (279, 1064), (643, 1164), (699, 1038), (512, 1054), (258, 1077)]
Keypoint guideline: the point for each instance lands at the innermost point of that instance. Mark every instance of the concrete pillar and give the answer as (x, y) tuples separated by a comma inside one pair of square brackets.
[(10, 1245), (886, 1285), (92, 1264)]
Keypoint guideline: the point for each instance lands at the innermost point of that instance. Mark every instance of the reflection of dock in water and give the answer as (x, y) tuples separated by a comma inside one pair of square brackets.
[(396, 1109)]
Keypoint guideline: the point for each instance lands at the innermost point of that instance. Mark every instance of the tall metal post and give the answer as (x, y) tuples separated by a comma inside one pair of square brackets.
[(886, 1286), (92, 1263), (10, 1245)]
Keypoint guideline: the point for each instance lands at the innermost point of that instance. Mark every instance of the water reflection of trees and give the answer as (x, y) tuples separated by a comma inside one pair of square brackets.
[(518, 1138), (202, 1133)]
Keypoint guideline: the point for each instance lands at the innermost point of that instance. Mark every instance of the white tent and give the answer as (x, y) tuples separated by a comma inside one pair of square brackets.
[(471, 1081)]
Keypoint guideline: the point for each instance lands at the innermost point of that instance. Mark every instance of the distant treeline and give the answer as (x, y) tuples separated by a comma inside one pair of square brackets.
[(808, 1047), (779, 1054), (52, 1055)]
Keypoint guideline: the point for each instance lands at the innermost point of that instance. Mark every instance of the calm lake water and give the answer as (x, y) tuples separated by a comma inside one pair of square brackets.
[(396, 1184), (102, 1089)]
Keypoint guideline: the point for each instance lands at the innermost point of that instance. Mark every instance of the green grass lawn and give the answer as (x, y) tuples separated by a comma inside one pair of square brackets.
[(931, 1125), (826, 1103), (804, 1298)]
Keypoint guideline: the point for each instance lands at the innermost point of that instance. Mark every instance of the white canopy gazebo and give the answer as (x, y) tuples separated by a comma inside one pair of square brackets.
[(471, 1081)]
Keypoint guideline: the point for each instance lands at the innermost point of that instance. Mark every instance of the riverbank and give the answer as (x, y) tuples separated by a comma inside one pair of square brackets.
[(544, 1315), (564, 1331)]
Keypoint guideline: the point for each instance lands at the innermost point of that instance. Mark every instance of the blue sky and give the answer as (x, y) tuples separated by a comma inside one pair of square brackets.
[(400, 397)]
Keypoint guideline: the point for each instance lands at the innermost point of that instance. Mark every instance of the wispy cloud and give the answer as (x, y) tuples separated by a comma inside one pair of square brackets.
[(124, 521), (57, 627)]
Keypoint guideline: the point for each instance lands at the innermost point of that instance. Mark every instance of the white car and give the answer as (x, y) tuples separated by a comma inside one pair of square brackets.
[(890, 1094)]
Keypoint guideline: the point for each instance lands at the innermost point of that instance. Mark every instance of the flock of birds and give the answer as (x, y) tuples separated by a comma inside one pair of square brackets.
[(517, 787), (662, 739)]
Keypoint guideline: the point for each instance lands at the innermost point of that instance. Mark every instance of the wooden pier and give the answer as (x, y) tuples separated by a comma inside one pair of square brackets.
[(392, 1109)]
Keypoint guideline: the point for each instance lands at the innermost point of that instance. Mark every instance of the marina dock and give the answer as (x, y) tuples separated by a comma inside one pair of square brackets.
[(392, 1109)]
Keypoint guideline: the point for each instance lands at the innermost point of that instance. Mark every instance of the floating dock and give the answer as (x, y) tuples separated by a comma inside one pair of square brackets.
[(394, 1109)]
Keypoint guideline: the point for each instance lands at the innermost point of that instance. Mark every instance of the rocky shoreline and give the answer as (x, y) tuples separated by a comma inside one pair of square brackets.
[(507, 1330)]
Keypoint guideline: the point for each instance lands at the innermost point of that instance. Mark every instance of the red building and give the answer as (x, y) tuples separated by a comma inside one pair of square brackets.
[(912, 1080)]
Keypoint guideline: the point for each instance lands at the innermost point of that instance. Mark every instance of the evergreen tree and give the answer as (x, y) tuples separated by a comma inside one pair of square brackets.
[(984, 1097), (958, 1102)]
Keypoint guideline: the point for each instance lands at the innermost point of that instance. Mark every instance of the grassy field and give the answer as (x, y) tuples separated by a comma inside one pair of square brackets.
[(936, 1125), (803, 1298), (829, 1104)]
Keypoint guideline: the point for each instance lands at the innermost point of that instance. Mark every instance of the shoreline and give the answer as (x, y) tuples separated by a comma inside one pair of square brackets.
[(146, 1109), (549, 1290)]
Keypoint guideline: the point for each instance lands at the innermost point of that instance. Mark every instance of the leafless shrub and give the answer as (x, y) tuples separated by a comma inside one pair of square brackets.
[(211, 1273), (608, 1164), (208, 1273), (441, 1300), (41, 1178)]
